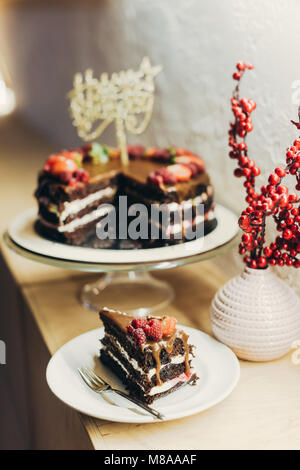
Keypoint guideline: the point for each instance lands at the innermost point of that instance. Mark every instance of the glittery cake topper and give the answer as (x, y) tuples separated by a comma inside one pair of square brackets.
[(95, 103)]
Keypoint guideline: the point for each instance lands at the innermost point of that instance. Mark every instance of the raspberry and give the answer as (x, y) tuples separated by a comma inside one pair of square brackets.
[(194, 169), (167, 176), (168, 325), (130, 330), (154, 330), (135, 151), (139, 323), (139, 336), (160, 154), (82, 175), (155, 179)]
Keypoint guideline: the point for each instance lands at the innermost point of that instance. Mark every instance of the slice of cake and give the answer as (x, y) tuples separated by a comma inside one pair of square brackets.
[(77, 189), (149, 355)]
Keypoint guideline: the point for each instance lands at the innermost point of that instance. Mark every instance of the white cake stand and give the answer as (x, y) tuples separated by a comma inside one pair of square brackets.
[(127, 285)]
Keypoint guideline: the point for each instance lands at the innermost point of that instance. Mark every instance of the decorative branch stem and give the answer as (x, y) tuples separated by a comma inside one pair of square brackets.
[(273, 199)]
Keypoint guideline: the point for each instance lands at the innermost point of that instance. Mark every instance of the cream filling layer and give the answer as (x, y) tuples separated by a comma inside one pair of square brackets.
[(176, 228), (78, 204), (174, 360), (164, 387), (71, 226), (174, 206)]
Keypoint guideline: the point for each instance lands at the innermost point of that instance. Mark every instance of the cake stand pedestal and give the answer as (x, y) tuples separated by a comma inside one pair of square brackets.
[(127, 284), (135, 292)]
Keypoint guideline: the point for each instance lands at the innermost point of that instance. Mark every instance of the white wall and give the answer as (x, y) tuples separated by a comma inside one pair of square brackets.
[(197, 41)]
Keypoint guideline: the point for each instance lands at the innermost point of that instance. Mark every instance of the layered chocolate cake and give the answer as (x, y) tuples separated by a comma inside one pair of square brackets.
[(149, 355), (80, 187)]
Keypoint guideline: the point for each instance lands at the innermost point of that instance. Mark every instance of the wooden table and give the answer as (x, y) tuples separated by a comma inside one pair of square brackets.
[(40, 312)]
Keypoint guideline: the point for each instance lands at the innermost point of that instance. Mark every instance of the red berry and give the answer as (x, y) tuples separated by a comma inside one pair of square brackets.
[(139, 336), (139, 322), (247, 238), (287, 234), (268, 252), (246, 172), (241, 65), (283, 200), (167, 176), (244, 221), (194, 169), (262, 262), (293, 198), (253, 264), (135, 151), (280, 172), (276, 254), (255, 171), (154, 330), (130, 329), (274, 178), (242, 250), (238, 172), (249, 125), (82, 175), (242, 146), (155, 179), (236, 75), (282, 189)]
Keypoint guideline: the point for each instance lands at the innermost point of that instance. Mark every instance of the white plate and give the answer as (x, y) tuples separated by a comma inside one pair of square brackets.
[(22, 232), (217, 367)]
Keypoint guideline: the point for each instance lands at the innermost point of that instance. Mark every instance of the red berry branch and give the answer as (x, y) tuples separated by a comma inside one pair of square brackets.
[(273, 199)]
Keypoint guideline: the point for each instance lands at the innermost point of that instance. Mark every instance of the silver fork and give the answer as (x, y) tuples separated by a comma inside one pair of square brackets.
[(98, 385)]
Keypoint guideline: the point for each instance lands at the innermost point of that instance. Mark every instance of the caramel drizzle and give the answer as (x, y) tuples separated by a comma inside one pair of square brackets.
[(156, 349)]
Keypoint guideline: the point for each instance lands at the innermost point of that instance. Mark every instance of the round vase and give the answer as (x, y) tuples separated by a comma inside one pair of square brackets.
[(257, 315)]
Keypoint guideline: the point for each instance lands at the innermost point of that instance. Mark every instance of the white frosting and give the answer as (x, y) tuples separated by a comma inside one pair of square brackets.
[(176, 228), (174, 206), (165, 386), (71, 226), (78, 204), (168, 384)]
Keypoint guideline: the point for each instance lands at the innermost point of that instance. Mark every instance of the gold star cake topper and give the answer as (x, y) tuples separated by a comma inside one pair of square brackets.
[(126, 98)]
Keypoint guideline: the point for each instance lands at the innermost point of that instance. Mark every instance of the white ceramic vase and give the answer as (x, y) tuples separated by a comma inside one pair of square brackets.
[(257, 315)]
